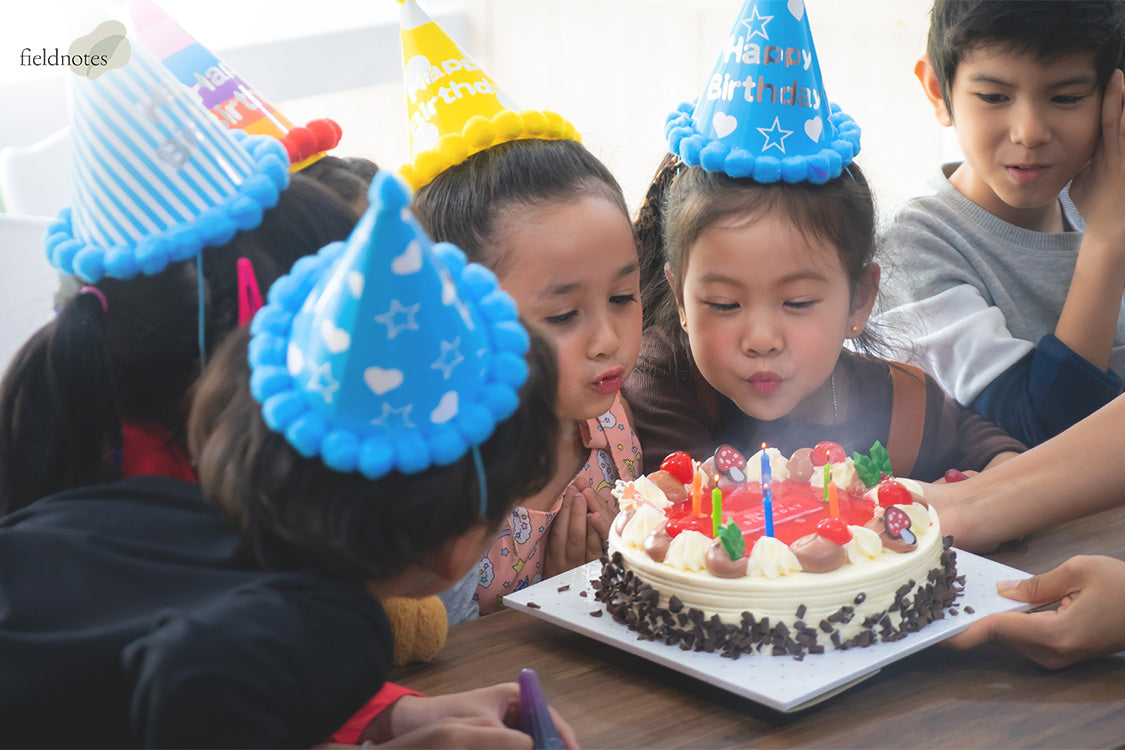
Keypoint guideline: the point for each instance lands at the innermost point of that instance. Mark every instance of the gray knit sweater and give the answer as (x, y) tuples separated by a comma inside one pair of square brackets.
[(968, 297)]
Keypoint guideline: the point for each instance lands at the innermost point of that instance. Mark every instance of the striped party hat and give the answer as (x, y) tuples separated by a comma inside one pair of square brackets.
[(387, 352), (455, 108), (221, 91), (764, 113), (156, 178)]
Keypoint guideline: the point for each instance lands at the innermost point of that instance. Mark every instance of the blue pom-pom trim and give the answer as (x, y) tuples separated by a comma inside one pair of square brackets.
[(695, 150), (342, 449), (240, 211)]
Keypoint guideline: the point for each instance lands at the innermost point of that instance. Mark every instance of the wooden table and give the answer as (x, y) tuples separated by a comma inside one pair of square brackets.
[(985, 698)]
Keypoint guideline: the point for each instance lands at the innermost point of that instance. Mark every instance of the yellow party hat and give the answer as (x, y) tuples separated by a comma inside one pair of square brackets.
[(455, 108)]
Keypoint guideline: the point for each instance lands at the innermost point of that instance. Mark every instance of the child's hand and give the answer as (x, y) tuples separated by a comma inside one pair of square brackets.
[(956, 475), (1090, 620), (578, 530), (1099, 190), (600, 512), (486, 717)]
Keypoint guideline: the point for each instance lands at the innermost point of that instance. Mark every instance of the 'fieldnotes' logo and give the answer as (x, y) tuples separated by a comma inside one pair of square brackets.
[(104, 48)]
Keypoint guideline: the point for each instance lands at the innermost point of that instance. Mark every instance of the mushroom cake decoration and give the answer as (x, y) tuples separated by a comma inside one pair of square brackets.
[(898, 524), (730, 463)]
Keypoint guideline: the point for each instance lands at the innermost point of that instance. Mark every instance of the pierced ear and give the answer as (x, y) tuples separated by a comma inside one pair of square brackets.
[(863, 299), (926, 76)]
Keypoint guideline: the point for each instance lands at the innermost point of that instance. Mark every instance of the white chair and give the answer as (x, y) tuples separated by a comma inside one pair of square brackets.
[(27, 282)]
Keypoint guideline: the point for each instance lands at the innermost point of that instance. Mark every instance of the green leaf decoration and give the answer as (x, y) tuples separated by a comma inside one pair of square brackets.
[(733, 542), (871, 469)]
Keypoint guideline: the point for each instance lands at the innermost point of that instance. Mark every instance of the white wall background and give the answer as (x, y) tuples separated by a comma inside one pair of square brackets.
[(615, 68)]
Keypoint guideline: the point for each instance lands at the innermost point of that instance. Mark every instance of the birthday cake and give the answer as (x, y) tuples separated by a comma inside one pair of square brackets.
[(836, 554)]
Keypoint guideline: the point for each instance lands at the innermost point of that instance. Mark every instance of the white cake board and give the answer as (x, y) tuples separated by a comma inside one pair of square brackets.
[(780, 682)]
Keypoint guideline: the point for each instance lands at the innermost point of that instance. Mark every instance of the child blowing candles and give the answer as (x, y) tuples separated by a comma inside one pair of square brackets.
[(532, 204), (336, 466), (757, 238)]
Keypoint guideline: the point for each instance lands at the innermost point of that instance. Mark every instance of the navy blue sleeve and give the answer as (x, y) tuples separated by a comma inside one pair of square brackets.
[(281, 662), (1046, 392)]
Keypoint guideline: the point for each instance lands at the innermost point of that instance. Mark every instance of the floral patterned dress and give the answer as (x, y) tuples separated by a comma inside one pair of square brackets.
[(515, 559)]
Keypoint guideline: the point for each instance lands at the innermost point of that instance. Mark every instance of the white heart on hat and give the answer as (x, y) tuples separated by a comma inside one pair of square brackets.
[(724, 124), (410, 261), (446, 408), (335, 339), (355, 282), (381, 381), (295, 360), (797, 8), (813, 128)]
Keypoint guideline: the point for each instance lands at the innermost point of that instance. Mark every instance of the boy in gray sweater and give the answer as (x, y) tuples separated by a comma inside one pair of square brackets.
[(1007, 280)]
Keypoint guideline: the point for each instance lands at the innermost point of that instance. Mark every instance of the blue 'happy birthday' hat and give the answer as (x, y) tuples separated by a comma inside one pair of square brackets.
[(156, 177), (387, 352), (764, 113)]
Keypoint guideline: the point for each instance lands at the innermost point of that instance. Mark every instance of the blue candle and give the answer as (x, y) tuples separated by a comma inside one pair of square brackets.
[(767, 510), (766, 476)]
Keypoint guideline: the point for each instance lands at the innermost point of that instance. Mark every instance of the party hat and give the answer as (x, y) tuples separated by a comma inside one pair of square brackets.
[(387, 351), (764, 113), (156, 179), (223, 92), (455, 109)]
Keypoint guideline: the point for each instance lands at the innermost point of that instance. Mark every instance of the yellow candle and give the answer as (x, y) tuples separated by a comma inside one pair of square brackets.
[(696, 492), (833, 501)]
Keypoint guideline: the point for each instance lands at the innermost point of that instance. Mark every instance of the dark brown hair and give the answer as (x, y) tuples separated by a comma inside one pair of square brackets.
[(295, 512), (464, 204), (1049, 29)]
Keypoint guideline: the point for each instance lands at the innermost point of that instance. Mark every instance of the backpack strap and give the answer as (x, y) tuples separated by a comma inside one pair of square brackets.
[(908, 416)]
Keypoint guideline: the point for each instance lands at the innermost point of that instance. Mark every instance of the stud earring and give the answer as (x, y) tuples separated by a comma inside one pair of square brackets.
[(683, 323), (855, 330)]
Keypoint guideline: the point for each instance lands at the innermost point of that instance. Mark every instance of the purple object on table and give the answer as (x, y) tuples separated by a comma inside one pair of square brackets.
[(535, 717)]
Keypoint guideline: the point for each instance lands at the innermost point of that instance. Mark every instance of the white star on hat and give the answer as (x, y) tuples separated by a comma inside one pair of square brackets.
[(761, 21), (450, 357), (323, 383), (775, 142), (386, 418), (398, 318)]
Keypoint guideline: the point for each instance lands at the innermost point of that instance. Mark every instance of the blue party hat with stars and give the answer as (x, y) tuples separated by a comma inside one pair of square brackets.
[(764, 113), (387, 352), (156, 177)]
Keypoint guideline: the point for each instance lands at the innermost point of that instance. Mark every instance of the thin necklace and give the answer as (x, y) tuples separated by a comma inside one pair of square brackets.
[(835, 408)]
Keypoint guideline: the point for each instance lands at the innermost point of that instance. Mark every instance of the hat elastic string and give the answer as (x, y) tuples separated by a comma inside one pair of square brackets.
[(482, 489)]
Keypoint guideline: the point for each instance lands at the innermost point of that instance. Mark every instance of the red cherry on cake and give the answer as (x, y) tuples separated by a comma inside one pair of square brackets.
[(834, 530), (953, 475), (827, 451), (891, 493), (679, 465)]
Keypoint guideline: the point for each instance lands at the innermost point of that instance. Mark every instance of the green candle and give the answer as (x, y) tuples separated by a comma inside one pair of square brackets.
[(827, 479), (716, 511)]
